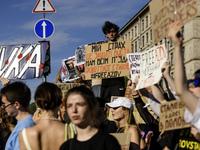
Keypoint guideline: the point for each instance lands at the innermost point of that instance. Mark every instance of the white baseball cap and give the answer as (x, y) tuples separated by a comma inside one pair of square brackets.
[(121, 101)]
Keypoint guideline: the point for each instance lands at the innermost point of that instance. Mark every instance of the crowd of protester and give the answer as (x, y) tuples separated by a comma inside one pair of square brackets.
[(87, 125)]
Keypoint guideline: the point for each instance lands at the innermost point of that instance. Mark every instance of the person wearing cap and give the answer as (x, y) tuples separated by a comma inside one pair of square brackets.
[(106, 125), (122, 112)]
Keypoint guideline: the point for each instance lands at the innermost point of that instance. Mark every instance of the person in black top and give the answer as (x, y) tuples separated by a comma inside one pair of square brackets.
[(106, 125), (112, 86), (81, 108)]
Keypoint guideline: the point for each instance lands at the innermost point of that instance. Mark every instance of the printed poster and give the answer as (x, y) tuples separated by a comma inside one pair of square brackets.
[(134, 60), (80, 55), (68, 73)]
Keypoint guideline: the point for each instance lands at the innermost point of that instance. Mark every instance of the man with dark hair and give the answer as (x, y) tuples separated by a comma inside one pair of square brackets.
[(15, 99), (111, 31), (112, 86)]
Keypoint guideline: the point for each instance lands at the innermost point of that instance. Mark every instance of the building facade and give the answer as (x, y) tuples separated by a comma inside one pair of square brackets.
[(139, 30)]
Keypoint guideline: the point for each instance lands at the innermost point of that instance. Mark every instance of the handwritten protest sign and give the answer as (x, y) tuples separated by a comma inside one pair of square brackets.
[(107, 60), (152, 62), (68, 73), (164, 12), (172, 116), (23, 61), (64, 88), (124, 139), (134, 60)]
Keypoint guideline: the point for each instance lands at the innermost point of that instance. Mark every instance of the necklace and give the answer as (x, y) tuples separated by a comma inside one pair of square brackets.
[(53, 119)]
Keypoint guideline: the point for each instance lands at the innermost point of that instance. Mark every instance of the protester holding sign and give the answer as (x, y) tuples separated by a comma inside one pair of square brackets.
[(151, 122), (122, 112), (112, 86), (189, 92), (81, 108)]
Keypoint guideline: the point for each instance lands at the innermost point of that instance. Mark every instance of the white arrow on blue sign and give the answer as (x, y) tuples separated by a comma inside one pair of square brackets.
[(44, 28)]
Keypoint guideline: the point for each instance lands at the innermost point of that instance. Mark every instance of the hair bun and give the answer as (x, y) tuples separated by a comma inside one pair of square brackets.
[(45, 105)]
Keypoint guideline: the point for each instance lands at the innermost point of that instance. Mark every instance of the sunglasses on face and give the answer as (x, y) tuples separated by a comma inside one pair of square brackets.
[(4, 105), (195, 82)]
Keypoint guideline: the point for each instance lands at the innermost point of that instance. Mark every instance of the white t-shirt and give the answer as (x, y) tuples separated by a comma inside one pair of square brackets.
[(194, 119)]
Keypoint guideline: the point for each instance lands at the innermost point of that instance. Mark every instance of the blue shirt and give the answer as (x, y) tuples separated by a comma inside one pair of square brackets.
[(13, 140)]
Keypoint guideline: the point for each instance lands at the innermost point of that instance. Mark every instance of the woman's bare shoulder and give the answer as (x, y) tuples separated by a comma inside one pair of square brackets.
[(133, 128)]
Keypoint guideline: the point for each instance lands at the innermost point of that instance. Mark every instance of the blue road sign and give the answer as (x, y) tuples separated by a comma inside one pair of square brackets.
[(44, 28)]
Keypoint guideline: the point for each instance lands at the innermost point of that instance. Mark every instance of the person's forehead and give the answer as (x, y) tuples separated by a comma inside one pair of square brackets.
[(75, 98)]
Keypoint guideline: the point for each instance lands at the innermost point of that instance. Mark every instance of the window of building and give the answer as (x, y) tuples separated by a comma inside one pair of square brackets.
[(172, 59), (132, 33), (135, 31), (143, 41), (135, 46), (183, 52), (129, 35), (160, 42), (147, 38), (151, 38), (147, 21), (182, 31), (142, 24), (126, 37), (132, 48)]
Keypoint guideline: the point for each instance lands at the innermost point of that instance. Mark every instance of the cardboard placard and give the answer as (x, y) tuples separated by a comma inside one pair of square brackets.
[(152, 62), (164, 12), (172, 116), (124, 139), (107, 60)]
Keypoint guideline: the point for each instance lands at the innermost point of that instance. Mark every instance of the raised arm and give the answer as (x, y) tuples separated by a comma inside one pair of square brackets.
[(58, 78), (190, 100), (166, 74)]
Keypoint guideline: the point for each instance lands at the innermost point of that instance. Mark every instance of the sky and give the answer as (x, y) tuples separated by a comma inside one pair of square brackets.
[(76, 22)]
